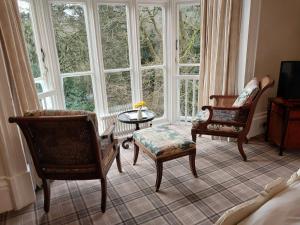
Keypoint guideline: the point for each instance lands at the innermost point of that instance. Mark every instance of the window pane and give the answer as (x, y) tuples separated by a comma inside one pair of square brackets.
[(113, 25), (26, 22), (118, 91), (153, 90), (79, 93), (71, 38), (189, 70), (151, 35), (189, 33)]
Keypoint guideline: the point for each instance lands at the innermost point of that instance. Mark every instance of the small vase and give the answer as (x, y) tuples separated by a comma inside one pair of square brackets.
[(139, 114)]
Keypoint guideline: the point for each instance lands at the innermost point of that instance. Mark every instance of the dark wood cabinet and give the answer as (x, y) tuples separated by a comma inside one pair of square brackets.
[(283, 123)]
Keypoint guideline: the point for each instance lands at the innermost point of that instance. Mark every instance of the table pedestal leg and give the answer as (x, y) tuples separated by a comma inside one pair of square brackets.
[(125, 145)]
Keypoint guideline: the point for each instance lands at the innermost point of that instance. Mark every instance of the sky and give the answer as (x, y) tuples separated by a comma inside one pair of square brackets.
[(24, 6)]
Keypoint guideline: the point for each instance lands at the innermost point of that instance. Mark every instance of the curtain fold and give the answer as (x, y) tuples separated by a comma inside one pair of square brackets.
[(17, 70), (219, 44)]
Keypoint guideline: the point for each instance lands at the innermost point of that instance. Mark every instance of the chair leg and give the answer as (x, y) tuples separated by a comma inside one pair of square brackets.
[(103, 194), (246, 140), (159, 171), (281, 151), (46, 188), (194, 137), (119, 165), (192, 158), (241, 150), (136, 153)]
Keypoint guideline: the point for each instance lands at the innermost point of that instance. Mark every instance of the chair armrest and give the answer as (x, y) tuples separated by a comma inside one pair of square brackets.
[(229, 123), (106, 141), (232, 123), (108, 132), (212, 108), (230, 108), (222, 96)]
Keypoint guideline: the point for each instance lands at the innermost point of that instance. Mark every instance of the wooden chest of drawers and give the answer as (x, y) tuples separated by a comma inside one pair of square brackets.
[(283, 123)]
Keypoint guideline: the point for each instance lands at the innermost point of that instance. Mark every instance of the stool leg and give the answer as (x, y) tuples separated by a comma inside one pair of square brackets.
[(136, 153), (192, 158), (159, 170)]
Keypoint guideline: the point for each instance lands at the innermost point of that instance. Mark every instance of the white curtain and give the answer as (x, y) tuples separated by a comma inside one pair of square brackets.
[(220, 30), (17, 73)]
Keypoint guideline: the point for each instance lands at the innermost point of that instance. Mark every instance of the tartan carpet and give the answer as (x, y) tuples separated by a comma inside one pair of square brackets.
[(224, 181)]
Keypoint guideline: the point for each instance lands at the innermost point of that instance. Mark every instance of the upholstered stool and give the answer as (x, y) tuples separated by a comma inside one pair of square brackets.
[(163, 144)]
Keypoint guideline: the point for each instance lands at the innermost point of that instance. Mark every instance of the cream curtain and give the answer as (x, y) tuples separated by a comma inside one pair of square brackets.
[(16, 72), (219, 43)]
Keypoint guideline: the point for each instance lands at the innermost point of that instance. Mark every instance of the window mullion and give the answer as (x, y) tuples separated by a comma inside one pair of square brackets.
[(85, 73), (95, 64), (131, 49), (100, 74), (165, 71), (153, 67), (117, 70), (173, 86), (135, 43)]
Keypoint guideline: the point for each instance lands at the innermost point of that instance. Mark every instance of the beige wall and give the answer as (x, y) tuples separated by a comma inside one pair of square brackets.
[(278, 39), (2, 171)]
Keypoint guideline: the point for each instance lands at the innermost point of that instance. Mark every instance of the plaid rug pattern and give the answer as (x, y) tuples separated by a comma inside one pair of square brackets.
[(224, 181)]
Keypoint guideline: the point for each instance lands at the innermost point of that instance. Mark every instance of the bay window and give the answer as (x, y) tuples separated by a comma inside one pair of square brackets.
[(105, 55)]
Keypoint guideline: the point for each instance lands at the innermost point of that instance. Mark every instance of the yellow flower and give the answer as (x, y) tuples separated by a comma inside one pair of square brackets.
[(139, 104)]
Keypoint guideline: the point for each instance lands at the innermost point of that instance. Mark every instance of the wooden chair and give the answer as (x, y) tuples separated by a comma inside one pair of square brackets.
[(226, 120), (65, 145)]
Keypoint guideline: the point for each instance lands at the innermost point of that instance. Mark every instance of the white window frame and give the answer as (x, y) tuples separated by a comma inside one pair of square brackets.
[(60, 76), (103, 71), (97, 72)]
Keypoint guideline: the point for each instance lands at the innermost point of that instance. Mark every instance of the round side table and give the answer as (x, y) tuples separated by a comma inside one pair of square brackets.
[(125, 117)]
